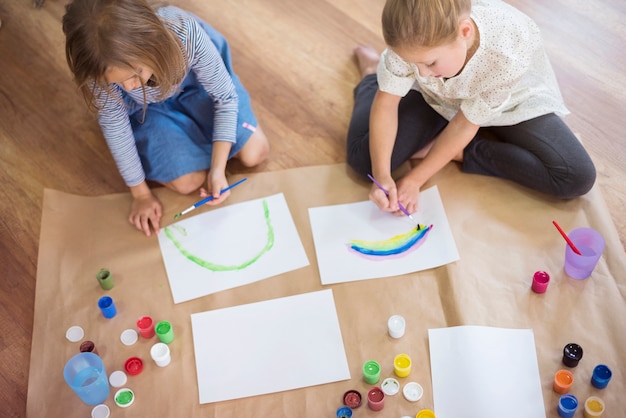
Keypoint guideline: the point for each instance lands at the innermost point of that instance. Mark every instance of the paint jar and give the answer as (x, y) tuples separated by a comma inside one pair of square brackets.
[(594, 407), (124, 397), (563, 380), (133, 366), (145, 325), (396, 326), (160, 353), (375, 399), (568, 404), (165, 332), (107, 307), (352, 399), (88, 347), (601, 376), (425, 413), (371, 372), (105, 279), (85, 374), (344, 412), (540, 282), (572, 353), (402, 365)]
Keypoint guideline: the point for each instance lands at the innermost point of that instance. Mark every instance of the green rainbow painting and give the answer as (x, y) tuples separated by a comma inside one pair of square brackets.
[(393, 246), (269, 243)]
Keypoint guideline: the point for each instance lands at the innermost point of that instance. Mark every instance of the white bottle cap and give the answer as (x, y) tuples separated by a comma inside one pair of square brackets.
[(396, 326)]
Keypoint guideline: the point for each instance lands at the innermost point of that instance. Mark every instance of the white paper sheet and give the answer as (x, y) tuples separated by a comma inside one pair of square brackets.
[(485, 372), (334, 226), (270, 346), (232, 246)]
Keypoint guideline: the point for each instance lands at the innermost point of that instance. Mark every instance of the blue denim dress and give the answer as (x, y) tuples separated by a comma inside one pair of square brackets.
[(175, 137)]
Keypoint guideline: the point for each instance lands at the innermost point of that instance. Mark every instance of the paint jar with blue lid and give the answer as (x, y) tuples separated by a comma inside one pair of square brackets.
[(601, 376), (107, 307), (568, 404), (344, 412)]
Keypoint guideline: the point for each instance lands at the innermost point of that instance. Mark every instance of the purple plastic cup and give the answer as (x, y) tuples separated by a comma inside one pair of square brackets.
[(591, 244)]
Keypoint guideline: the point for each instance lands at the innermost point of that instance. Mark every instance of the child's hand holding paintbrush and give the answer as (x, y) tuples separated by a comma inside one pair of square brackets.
[(387, 194), (208, 199), (216, 186)]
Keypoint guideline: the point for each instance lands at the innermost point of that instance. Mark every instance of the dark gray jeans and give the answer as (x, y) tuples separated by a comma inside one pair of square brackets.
[(542, 153)]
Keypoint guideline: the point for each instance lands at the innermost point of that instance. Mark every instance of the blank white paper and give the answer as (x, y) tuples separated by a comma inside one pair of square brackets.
[(334, 226), (485, 372), (230, 246), (267, 347)]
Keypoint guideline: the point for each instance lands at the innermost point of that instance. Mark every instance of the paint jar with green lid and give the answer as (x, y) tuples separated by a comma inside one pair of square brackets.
[(124, 397), (371, 372), (164, 331), (105, 279)]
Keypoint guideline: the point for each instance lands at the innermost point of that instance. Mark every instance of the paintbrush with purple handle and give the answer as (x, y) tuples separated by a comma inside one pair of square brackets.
[(402, 208)]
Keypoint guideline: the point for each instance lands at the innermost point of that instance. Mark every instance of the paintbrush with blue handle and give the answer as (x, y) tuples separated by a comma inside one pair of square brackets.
[(207, 199)]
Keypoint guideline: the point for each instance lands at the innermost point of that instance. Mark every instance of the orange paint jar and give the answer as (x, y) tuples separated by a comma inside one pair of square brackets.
[(563, 380)]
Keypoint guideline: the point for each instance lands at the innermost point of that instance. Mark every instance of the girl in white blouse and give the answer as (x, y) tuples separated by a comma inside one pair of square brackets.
[(465, 81)]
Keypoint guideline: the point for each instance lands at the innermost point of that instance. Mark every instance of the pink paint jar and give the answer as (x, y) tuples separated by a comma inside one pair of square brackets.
[(375, 399), (540, 282)]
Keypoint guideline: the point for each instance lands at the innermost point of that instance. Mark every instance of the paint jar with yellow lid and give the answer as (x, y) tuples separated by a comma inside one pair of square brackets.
[(594, 407)]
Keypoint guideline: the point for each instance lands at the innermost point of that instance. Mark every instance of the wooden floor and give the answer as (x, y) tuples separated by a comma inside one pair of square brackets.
[(295, 57)]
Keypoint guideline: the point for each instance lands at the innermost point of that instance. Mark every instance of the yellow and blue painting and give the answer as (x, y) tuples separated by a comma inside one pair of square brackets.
[(394, 246)]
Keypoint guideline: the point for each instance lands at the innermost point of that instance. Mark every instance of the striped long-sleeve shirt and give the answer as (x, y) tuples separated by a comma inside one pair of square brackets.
[(205, 61)]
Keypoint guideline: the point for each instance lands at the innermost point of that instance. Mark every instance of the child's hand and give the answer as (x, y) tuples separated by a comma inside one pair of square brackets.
[(145, 210), (408, 194), (215, 183), (387, 202)]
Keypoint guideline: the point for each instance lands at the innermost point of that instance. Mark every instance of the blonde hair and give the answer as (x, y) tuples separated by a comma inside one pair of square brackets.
[(120, 33), (426, 23)]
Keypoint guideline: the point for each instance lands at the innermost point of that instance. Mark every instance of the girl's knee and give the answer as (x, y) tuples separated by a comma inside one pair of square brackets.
[(256, 149), (358, 156), (580, 182), (188, 183)]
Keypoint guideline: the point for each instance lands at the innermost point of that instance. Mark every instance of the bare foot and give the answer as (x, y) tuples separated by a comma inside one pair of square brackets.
[(367, 58)]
